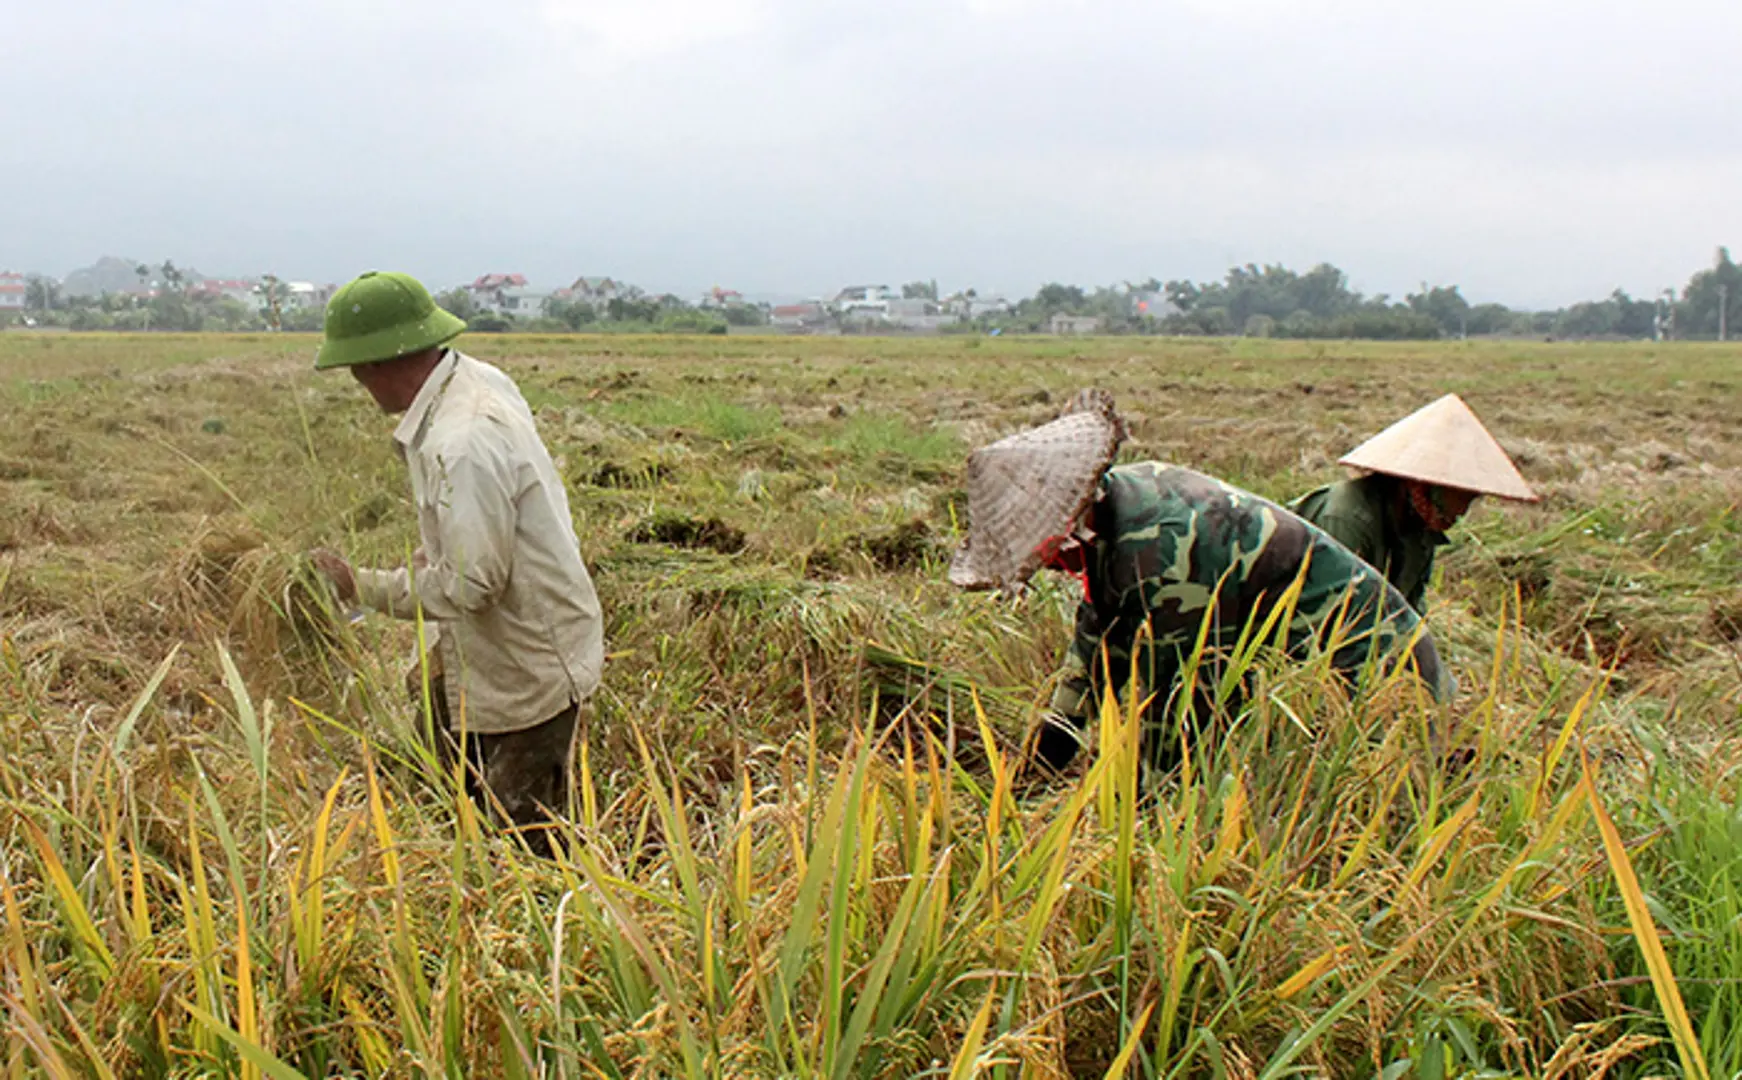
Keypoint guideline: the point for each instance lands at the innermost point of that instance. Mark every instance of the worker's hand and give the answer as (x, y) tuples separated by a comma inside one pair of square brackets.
[(1053, 749), (332, 566), (1059, 739)]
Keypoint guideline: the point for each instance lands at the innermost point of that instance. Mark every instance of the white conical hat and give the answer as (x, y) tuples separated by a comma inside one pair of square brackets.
[(1030, 487), (1443, 444)]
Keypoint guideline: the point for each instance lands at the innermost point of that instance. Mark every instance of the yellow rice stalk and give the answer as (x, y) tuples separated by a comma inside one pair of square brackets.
[(1309, 972), (28, 1005), (247, 1012), (93, 1056), (24, 967), (31, 1031), (1358, 853), (373, 1047), (109, 831), (1229, 836), (383, 831), (1570, 805), (742, 849), (94, 951), (1441, 839), (1669, 998), (589, 796), (202, 932), (967, 1060), (140, 909), (1552, 759), (987, 879), (1116, 1071), (1181, 961)]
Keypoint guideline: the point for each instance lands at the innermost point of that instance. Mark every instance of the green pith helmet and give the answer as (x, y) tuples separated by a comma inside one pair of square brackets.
[(379, 316)]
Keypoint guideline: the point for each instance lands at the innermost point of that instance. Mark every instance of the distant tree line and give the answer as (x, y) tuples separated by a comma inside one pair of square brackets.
[(1275, 301), (1251, 300), (169, 299)]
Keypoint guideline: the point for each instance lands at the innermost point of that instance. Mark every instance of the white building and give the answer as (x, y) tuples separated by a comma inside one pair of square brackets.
[(307, 296), (864, 301), (522, 302), (964, 306), (12, 291), (599, 291), (1074, 324), (923, 316)]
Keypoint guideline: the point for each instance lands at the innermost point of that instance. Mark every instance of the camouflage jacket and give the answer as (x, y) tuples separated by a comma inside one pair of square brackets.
[(1174, 545), (1369, 517)]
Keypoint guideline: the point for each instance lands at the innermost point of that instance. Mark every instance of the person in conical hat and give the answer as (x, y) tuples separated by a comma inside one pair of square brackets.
[(1419, 476), (1159, 545)]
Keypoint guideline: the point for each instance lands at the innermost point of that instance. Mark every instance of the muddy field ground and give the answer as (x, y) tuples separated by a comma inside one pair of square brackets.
[(224, 851)]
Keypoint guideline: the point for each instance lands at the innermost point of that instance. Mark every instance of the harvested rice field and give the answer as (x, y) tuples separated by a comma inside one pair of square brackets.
[(795, 846)]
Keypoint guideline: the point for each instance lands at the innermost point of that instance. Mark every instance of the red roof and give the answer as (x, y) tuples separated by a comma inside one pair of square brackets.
[(12, 288), (498, 281)]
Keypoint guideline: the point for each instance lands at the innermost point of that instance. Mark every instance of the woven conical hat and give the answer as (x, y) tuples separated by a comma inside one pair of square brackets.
[(1443, 444), (1030, 487)]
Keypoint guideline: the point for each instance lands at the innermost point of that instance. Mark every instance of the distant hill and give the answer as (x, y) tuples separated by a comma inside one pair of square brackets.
[(112, 275)]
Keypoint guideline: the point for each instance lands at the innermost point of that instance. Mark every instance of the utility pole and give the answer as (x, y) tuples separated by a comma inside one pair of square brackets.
[(1723, 311)]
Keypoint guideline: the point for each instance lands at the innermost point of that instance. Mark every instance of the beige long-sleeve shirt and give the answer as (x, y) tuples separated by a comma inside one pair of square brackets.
[(521, 636)]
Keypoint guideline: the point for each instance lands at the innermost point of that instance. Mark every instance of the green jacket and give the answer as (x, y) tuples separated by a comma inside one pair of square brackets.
[(1369, 517), (1171, 544)]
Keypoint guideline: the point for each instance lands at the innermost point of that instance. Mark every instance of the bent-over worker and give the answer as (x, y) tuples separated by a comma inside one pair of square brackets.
[(519, 642), (1420, 476), (1158, 545)]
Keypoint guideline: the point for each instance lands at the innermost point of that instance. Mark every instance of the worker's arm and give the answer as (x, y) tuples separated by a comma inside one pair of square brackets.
[(476, 517), (1417, 596), (1061, 733)]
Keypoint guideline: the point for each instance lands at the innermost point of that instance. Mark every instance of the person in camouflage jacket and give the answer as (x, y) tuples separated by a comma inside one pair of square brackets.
[(1172, 548), (1160, 550)]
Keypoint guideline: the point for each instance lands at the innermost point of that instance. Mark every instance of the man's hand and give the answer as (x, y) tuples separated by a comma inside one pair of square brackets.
[(332, 566), (1052, 749)]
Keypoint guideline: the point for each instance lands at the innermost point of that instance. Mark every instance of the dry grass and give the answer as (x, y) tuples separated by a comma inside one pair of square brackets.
[(214, 867)]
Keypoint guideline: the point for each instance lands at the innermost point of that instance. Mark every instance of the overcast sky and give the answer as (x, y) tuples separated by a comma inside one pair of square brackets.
[(1535, 153)]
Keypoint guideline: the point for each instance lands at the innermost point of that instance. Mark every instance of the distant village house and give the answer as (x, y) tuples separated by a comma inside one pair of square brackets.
[(1074, 324), (508, 294), (717, 297), (863, 300), (798, 317), (597, 291), (970, 307), (12, 291), (243, 292), (308, 296)]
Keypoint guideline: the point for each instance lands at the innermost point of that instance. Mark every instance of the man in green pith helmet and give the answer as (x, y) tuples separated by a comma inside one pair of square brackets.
[(1163, 547), (519, 642)]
